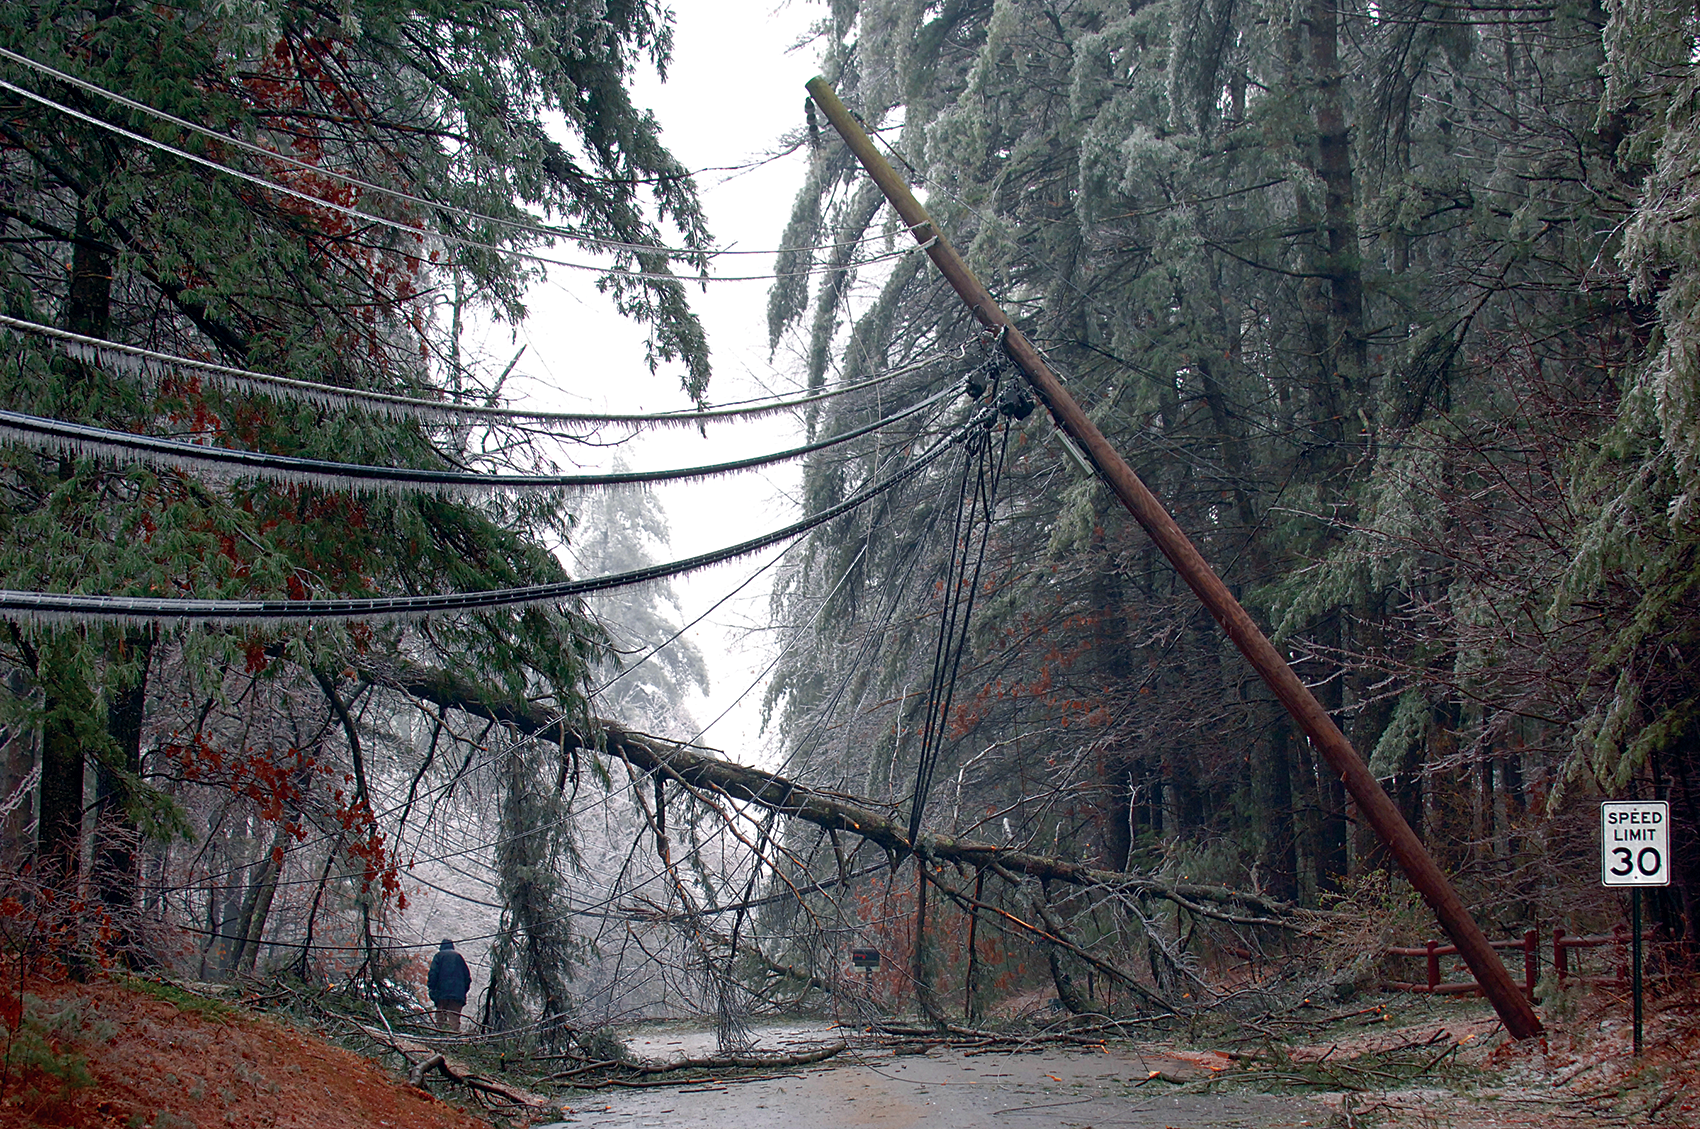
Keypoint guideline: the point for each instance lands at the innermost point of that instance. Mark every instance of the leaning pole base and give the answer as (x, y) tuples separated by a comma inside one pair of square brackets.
[(1373, 802)]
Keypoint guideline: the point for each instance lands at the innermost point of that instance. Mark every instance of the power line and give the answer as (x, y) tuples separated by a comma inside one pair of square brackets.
[(958, 609), (873, 638), (415, 230), (825, 602), (97, 442), (149, 362), (57, 606), (529, 227), (712, 608)]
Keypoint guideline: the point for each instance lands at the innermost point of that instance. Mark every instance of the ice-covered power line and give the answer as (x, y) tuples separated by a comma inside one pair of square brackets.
[(152, 364), (74, 607), (122, 446), (425, 233), (528, 226)]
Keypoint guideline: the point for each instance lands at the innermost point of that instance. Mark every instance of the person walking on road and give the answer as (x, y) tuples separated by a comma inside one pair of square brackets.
[(447, 985)]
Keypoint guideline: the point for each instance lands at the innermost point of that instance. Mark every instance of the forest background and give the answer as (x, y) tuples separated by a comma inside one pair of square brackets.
[(1393, 305)]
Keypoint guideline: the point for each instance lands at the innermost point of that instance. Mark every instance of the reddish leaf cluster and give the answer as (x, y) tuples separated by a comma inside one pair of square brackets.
[(274, 782)]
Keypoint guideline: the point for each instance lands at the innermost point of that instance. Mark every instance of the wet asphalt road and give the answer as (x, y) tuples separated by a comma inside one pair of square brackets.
[(950, 1089)]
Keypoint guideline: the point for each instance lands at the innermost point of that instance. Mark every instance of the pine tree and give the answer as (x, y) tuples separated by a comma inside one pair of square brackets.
[(1332, 279), (417, 149), (655, 667)]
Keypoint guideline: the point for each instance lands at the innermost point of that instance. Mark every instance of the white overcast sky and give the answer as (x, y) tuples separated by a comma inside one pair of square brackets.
[(734, 87)]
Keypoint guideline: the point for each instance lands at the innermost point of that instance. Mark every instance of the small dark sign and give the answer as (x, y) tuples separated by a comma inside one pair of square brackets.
[(865, 958)]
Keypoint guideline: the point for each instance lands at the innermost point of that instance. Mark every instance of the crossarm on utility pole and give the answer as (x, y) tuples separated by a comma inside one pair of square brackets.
[(1373, 802)]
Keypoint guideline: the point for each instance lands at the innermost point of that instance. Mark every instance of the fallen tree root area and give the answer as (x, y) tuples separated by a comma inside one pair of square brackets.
[(119, 1054)]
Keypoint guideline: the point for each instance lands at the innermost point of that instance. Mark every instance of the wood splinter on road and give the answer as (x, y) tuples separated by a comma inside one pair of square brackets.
[(1373, 802)]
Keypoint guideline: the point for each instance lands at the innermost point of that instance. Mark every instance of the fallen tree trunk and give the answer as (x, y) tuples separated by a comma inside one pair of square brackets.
[(955, 1035), (706, 1062), (835, 811)]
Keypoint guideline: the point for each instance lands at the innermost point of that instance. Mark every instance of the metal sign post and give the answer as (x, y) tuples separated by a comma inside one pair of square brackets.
[(867, 960), (1635, 852)]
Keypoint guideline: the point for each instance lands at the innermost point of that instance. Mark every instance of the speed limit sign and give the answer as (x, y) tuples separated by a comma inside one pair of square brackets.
[(1634, 843)]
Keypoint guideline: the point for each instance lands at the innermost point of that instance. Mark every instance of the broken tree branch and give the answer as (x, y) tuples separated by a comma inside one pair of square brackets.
[(834, 811)]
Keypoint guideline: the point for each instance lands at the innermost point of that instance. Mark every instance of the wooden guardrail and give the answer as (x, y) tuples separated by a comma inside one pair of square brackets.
[(1563, 943), (1529, 944)]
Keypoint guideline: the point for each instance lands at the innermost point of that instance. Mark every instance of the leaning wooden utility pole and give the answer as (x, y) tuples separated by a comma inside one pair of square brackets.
[(1373, 802)]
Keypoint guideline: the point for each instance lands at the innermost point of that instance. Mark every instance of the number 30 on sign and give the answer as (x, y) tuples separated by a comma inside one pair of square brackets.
[(1634, 843)]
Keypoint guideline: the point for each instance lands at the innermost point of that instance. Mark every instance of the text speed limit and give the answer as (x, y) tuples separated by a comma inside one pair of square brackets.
[(1634, 843)]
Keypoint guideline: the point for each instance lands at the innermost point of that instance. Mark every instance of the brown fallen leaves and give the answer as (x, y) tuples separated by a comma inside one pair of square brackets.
[(146, 1063)]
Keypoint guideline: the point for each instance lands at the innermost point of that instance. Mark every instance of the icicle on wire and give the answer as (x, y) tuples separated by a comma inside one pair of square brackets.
[(151, 365), (56, 607), (121, 446), (424, 233)]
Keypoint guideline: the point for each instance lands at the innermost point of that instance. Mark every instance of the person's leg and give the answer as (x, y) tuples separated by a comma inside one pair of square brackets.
[(451, 1012)]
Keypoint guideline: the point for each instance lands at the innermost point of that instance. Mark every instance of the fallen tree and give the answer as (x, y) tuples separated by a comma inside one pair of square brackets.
[(751, 1061), (1049, 892), (701, 771)]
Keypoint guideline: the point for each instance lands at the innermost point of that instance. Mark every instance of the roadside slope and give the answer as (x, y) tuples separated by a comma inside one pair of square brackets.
[(112, 1054)]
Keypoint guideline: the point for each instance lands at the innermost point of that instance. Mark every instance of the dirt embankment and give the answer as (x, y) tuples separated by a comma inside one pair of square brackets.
[(101, 1054)]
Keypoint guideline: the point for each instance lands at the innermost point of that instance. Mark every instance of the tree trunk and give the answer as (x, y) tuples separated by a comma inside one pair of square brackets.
[(925, 1000), (19, 749), (68, 708), (1280, 863), (1121, 819), (1340, 219), (117, 870), (69, 704), (257, 904)]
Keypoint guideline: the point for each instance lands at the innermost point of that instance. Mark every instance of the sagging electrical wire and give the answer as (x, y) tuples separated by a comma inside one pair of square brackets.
[(83, 441), (424, 233), (1015, 404), (961, 589), (550, 231), (442, 857), (871, 640), (53, 607), (151, 364)]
